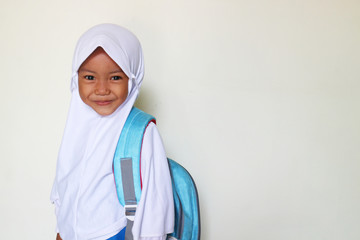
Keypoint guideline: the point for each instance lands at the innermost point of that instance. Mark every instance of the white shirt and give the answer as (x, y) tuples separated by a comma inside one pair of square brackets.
[(84, 191), (156, 203)]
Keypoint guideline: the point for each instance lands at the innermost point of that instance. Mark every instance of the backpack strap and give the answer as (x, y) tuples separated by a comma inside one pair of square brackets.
[(127, 174), (127, 165)]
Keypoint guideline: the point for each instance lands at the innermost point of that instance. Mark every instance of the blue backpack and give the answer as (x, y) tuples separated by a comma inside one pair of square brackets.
[(128, 183)]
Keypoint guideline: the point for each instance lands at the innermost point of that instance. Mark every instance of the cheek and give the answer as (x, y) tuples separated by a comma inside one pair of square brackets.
[(122, 91), (81, 91), (84, 91), (122, 94)]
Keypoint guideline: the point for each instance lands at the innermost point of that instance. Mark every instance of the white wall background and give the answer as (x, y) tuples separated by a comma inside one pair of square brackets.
[(258, 99)]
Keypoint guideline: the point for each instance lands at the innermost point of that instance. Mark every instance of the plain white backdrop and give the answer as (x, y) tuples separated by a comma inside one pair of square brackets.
[(259, 100)]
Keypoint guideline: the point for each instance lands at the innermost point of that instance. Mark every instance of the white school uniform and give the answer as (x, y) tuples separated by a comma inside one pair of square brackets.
[(84, 193)]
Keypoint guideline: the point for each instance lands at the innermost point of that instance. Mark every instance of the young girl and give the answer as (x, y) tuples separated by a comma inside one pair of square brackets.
[(107, 72)]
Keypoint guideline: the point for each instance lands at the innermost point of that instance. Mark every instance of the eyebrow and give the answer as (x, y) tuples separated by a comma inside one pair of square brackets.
[(117, 71), (85, 70)]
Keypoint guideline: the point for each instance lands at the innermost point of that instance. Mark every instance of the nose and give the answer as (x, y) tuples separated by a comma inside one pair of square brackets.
[(102, 88)]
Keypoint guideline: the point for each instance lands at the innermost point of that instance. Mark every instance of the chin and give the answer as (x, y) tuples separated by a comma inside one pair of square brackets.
[(104, 112)]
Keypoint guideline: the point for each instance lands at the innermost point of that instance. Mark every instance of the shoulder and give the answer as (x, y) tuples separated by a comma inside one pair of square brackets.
[(152, 133), (151, 127), (153, 151)]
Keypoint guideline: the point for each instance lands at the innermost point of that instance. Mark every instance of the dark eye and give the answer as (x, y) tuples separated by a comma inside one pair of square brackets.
[(89, 77), (116, 78)]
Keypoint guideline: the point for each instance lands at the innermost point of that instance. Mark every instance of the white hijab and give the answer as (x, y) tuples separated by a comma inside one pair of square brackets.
[(87, 205)]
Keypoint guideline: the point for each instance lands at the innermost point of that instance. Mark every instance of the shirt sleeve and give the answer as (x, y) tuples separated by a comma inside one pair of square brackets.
[(154, 217), (54, 198)]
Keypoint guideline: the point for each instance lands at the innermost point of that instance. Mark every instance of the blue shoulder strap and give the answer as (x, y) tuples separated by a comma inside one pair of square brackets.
[(128, 152), (127, 164)]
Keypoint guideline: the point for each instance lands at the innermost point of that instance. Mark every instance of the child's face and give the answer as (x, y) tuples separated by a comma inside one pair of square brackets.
[(102, 84)]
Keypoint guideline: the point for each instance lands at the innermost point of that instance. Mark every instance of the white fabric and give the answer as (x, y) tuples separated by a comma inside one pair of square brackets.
[(84, 191), (155, 214)]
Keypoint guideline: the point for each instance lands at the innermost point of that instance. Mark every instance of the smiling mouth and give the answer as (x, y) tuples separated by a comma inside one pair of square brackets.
[(103, 103)]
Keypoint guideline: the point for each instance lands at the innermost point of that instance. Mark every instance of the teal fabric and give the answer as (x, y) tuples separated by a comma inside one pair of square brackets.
[(129, 146), (186, 202), (187, 212)]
